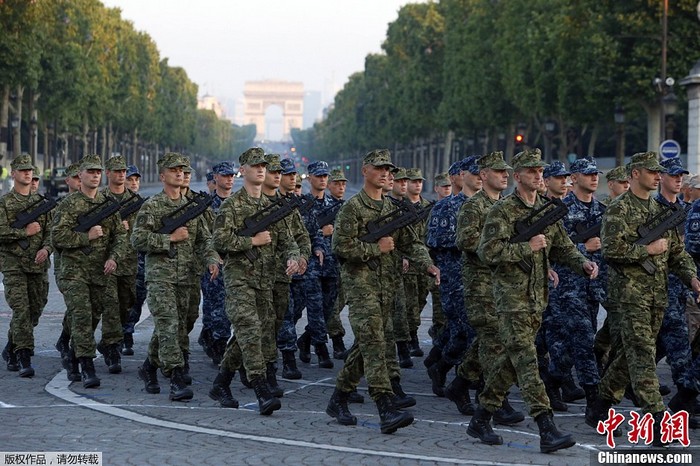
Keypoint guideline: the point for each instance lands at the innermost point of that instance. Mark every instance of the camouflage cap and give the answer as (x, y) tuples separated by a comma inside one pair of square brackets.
[(35, 173), (648, 160), (252, 156), (455, 168), (585, 165), (469, 164), (91, 162), (318, 168), (378, 158), (530, 158), (73, 170), (132, 170), (22, 162), (687, 177), (223, 168), (188, 165), (338, 175), (694, 182), (400, 173), (118, 162), (442, 179), (414, 174), (299, 180), (273, 162), (493, 160), (617, 174), (288, 166), (556, 168), (172, 160), (674, 166)]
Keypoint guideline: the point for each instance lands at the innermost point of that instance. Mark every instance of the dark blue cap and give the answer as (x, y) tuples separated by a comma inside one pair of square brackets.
[(455, 168), (586, 166), (556, 168), (469, 164), (674, 166), (132, 170), (224, 168), (288, 166), (210, 176), (319, 168)]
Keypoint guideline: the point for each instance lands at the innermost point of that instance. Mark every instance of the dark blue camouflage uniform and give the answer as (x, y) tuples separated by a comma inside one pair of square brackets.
[(692, 245)]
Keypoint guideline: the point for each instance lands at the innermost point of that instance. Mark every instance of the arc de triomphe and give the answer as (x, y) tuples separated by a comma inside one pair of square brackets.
[(259, 95)]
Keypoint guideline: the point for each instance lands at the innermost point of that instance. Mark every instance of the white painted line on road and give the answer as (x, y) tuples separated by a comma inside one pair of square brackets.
[(59, 388), (6, 405)]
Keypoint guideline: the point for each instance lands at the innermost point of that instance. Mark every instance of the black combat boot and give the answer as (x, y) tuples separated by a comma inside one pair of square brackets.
[(400, 400), (338, 408), (656, 429), (87, 373), (266, 402), (507, 415), (354, 397), (664, 390), (552, 386), (128, 344), (438, 373), (24, 357), (8, 354), (304, 345), (339, 350), (415, 345), (433, 356), (179, 391), (458, 392), (404, 355), (271, 378), (244, 377), (115, 359), (289, 366), (221, 390), (570, 391), (597, 410), (390, 417), (551, 439), (218, 349), (591, 392), (103, 350), (205, 341), (149, 374), (186, 368), (63, 345), (73, 372), (684, 400), (480, 427), (324, 359)]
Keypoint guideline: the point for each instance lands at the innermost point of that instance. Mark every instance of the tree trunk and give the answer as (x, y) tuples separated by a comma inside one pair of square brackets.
[(4, 120), (592, 142), (86, 130), (17, 132)]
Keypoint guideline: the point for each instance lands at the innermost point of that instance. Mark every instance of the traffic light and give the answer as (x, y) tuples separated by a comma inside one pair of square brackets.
[(519, 138)]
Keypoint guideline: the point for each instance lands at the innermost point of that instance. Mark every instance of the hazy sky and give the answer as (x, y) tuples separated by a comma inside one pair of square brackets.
[(223, 43)]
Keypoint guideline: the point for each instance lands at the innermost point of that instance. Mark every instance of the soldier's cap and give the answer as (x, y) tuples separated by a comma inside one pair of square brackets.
[(252, 156), (116, 163), (91, 162), (648, 160), (617, 174), (442, 179), (694, 181), (585, 165), (674, 166), (469, 164), (298, 182), (22, 162), (35, 173), (400, 173), (210, 176), (318, 168), (223, 168), (530, 158), (378, 158), (686, 178), (556, 168), (172, 160), (414, 174), (455, 168), (132, 170), (188, 166), (337, 174), (493, 160), (288, 166), (72, 170), (273, 162)]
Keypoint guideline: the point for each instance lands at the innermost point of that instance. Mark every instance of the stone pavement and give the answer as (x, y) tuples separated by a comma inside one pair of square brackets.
[(46, 413)]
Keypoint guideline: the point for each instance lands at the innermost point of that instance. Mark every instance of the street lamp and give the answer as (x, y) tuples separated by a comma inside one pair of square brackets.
[(670, 104), (619, 135), (549, 127)]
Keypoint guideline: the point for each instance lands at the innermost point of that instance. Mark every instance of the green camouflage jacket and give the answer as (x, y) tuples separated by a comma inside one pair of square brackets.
[(470, 222), (295, 225), (128, 265), (12, 256)]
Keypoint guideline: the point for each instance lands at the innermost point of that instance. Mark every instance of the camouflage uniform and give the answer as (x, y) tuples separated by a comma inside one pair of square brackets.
[(141, 291), (642, 297)]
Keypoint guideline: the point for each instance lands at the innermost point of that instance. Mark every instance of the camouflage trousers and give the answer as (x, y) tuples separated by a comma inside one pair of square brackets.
[(417, 288), (214, 318), (486, 346), (86, 304), (287, 335), (169, 304), (438, 323), (126, 295), (399, 314), (373, 354), (518, 361), (26, 294), (280, 305), (191, 316), (673, 343), (635, 362), (250, 312), (321, 294), (135, 311), (334, 324)]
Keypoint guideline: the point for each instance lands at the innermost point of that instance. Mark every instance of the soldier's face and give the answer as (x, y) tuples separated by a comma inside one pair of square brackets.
[(186, 178), (22, 177), (90, 178), (456, 180), (133, 183), (618, 187), (224, 182), (415, 187), (586, 183), (272, 179), (318, 182), (337, 188), (471, 182), (389, 184), (400, 187), (443, 191), (73, 183), (376, 177), (530, 178), (556, 185), (297, 190), (671, 183), (288, 182), (173, 177), (116, 177), (496, 180), (34, 185), (648, 180), (254, 174)]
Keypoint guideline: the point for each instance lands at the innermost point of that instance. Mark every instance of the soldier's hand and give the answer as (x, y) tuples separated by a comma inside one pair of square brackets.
[(303, 264), (126, 225), (553, 277), (386, 244), (213, 271), (95, 232), (32, 229), (181, 234), (695, 285), (593, 244), (657, 247), (262, 238), (110, 266), (435, 272), (41, 256), (292, 267), (404, 265), (327, 230), (537, 243), (319, 253), (591, 269)]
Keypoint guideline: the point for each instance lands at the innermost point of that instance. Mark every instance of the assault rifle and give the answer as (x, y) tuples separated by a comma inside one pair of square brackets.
[(525, 229), (31, 214), (194, 207), (131, 205), (94, 216), (327, 216), (265, 218), (586, 231), (670, 217)]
